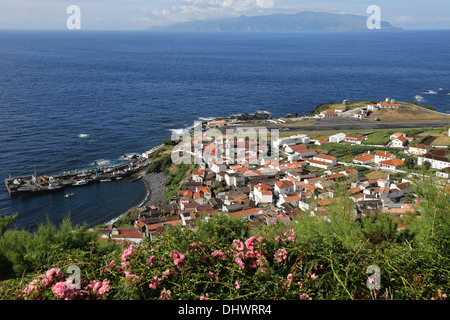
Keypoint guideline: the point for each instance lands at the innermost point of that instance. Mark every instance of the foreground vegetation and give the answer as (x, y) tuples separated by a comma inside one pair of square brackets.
[(228, 259)]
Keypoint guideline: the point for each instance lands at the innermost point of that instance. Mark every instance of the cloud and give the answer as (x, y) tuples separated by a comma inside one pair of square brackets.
[(187, 10)]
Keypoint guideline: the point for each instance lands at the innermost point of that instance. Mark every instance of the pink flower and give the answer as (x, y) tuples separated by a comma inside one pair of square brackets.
[(280, 255), (150, 260), (238, 284), (240, 263), (260, 239), (99, 288), (62, 291), (290, 277), (127, 252), (238, 244), (305, 296), (205, 297), (54, 272), (165, 294), (155, 283), (249, 243), (219, 254), (177, 258)]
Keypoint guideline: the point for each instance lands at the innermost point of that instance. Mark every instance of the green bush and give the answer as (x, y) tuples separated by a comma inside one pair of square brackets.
[(309, 258)]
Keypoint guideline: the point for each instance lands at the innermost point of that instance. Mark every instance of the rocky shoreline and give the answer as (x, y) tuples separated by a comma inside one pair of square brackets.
[(154, 182)]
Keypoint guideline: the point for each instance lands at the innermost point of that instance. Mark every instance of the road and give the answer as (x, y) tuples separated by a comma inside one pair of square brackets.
[(338, 124)]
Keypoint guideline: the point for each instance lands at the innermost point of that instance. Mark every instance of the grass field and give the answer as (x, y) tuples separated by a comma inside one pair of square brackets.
[(408, 112)]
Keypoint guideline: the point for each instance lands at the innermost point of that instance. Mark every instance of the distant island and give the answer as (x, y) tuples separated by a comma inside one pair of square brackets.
[(302, 21)]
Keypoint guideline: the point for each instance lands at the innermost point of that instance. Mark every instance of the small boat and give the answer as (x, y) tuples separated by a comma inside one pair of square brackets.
[(430, 92), (119, 178), (80, 183), (105, 180), (136, 179), (69, 195)]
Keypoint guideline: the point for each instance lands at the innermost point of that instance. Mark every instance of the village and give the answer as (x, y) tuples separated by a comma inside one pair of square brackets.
[(306, 177)]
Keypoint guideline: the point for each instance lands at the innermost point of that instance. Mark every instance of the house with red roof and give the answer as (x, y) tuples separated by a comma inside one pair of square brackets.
[(323, 161), (391, 164), (354, 139), (328, 114), (366, 158), (399, 142), (383, 155)]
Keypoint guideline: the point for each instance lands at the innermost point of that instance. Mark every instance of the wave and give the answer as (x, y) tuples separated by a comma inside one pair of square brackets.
[(83, 135), (206, 118), (179, 132), (128, 156), (101, 162)]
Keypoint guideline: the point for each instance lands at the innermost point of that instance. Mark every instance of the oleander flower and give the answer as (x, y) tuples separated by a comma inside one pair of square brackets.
[(281, 255)]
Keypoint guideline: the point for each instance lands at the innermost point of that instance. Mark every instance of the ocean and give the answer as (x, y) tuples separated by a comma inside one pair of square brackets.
[(70, 99)]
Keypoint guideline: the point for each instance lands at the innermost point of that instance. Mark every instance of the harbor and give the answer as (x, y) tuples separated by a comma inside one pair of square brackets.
[(36, 184)]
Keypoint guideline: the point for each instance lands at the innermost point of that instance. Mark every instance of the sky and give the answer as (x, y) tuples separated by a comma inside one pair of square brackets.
[(141, 14)]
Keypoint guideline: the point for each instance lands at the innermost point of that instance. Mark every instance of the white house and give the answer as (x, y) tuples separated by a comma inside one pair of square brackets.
[(301, 138), (381, 156), (284, 187), (391, 164), (295, 148), (328, 114), (366, 158), (372, 107), (323, 161), (438, 158), (354, 139), (399, 142), (293, 200), (217, 167), (234, 179), (338, 137), (306, 153), (198, 176), (262, 194)]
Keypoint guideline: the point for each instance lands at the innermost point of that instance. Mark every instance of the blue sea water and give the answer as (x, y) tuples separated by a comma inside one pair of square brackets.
[(68, 99)]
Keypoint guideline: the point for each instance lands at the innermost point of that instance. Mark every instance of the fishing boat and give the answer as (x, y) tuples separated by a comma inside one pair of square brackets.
[(80, 183)]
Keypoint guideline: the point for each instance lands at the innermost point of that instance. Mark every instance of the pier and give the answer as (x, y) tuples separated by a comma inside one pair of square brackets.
[(44, 184)]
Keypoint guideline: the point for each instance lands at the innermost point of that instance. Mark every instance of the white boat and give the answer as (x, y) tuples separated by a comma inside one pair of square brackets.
[(69, 195), (80, 183), (105, 180), (430, 92), (119, 178)]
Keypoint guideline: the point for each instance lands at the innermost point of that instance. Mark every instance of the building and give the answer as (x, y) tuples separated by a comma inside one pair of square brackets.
[(262, 193), (388, 105), (295, 148), (399, 142), (301, 138), (366, 158), (437, 158), (382, 155), (337, 137), (284, 187), (328, 114), (391, 164), (323, 161), (354, 139), (306, 153), (419, 149)]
